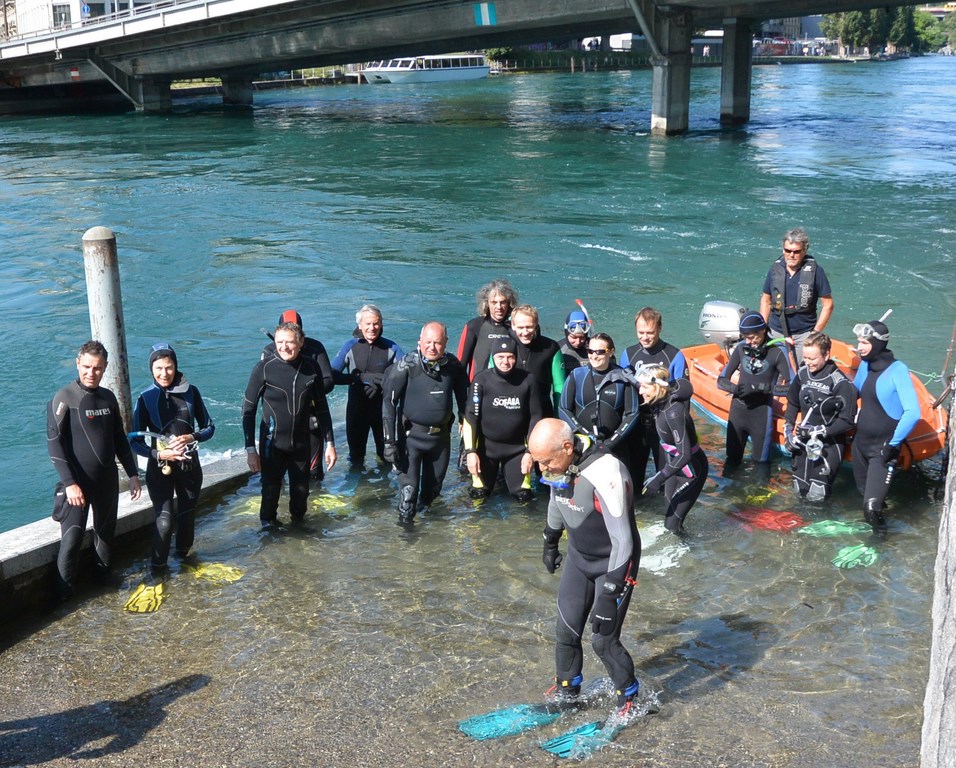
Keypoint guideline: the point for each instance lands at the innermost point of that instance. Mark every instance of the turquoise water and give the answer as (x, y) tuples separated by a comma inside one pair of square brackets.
[(413, 197)]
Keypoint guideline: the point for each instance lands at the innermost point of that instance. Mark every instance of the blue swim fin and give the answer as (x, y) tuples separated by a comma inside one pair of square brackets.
[(580, 741), (509, 721)]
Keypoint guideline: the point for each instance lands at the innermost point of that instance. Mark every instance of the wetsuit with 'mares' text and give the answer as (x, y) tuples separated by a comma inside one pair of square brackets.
[(85, 436)]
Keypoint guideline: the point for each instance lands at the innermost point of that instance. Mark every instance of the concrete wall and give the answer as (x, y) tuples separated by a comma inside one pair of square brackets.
[(28, 554)]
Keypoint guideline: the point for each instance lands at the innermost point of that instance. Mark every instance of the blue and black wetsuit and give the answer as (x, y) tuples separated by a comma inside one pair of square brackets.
[(827, 402), (503, 410), (889, 409), (685, 471), (417, 415), (314, 351), (174, 410), (642, 439), (362, 366), (764, 373), (604, 548), (603, 405), (85, 436), (291, 393)]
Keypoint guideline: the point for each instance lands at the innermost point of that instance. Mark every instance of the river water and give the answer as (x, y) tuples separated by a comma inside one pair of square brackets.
[(412, 197)]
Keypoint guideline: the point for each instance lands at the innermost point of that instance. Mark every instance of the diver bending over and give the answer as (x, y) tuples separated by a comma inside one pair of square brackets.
[(591, 499)]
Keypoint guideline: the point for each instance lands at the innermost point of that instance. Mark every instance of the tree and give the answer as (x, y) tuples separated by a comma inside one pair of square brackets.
[(902, 31)]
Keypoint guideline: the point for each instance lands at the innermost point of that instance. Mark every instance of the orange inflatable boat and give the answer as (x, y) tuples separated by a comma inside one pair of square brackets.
[(706, 361)]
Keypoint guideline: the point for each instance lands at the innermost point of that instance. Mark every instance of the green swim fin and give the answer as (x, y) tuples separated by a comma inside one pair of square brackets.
[(834, 528), (851, 557), (146, 598)]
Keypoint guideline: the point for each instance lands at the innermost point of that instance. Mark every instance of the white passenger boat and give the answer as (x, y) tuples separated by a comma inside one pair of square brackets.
[(428, 69)]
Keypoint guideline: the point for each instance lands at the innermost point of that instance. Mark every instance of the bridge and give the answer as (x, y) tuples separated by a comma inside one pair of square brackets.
[(141, 52)]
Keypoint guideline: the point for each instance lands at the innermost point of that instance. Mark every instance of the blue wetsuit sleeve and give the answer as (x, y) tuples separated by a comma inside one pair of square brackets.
[(624, 362), (141, 424), (203, 420), (341, 365), (908, 400), (861, 374), (678, 367)]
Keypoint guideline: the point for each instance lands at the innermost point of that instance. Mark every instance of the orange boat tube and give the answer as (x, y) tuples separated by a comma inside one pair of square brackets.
[(706, 361)]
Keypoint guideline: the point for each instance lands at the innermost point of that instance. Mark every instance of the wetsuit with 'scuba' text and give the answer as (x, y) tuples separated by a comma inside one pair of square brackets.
[(362, 366), (889, 409), (604, 548), (477, 338), (85, 436), (642, 439), (417, 415), (290, 393), (173, 410), (503, 410)]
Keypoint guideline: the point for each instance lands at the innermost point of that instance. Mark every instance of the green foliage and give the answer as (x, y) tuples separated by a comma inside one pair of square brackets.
[(499, 54), (947, 28), (902, 26)]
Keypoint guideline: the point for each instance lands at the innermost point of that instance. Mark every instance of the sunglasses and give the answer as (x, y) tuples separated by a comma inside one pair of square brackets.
[(793, 251), (598, 351)]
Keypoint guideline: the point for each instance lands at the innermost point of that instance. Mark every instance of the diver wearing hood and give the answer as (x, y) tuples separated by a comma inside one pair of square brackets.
[(764, 373), (506, 403), (684, 472), (889, 409), (172, 407)]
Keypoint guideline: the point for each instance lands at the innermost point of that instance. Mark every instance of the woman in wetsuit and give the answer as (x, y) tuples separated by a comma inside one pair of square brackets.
[(599, 400), (764, 373), (685, 470), (174, 408), (889, 409)]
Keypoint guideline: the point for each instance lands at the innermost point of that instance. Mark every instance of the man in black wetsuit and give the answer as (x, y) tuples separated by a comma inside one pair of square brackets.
[(362, 364), (495, 302), (85, 436), (590, 499), (313, 350), (420, 393), (826, 401), (505, 406), (539, 355), (291, 391), (643, 441)]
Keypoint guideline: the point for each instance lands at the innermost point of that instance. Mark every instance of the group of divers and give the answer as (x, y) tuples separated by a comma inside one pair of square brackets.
[(569, 413)]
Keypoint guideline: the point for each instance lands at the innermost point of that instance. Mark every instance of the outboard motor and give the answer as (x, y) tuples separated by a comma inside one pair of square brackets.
[(720, 322)]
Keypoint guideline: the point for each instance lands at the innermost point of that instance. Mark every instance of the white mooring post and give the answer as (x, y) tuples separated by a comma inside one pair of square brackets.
[(106, 313)]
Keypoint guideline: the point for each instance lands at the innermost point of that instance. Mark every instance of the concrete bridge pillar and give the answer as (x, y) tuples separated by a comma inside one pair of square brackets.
[(237, 91), (736, 71), (670, 106), (154, 96)]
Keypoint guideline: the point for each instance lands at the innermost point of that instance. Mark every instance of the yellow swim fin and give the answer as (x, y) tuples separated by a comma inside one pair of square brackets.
[(220, 573), (146, 598)]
